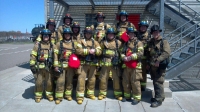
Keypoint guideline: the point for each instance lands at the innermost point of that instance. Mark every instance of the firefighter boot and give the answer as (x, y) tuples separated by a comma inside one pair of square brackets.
[(69, 98), (57, 101), (101, 97), (37, 100), (79, 101), (119, 98), (50, 99), (92, 97), (135, 102)]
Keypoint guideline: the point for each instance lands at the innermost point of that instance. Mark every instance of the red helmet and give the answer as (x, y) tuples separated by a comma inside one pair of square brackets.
[(67, 16)]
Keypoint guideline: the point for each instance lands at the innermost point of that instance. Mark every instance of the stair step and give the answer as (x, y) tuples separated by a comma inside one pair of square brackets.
[(192, 49), (185, 55), (175, 60), (198, 44), (170, 65)]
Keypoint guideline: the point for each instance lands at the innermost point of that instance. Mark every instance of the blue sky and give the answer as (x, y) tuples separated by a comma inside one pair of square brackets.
[(19, 15)]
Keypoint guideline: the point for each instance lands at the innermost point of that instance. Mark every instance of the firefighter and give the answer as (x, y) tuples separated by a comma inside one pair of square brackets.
[(132, 52), (76, 31), (110, 62), (40, 64), (67, 21), (88, 49), (99, 27), (64, 49), (122, 25), (51, 25), (144, 37), (159, 52)]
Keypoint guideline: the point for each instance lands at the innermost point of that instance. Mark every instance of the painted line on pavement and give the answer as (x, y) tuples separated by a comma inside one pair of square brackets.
[(16, 52), (6, 48)]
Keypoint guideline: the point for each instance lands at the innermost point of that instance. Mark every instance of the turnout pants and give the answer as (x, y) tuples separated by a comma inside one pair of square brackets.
[(131, 83), (86, 71), (43, 76), (158, 77), (143, 81), (105, 72)]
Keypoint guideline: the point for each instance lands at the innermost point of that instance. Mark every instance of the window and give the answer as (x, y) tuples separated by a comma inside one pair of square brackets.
[(89, 19)]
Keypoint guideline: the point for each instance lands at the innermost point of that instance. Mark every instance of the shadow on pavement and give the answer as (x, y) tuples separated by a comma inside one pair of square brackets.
[(184, 83), (29, 93), (25, 65), (29, 78)]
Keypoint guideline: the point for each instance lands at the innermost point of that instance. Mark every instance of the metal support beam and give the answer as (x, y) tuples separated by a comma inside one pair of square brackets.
[(93, 5), (161, 23), (120, 6), (51, 8), (63, 3)]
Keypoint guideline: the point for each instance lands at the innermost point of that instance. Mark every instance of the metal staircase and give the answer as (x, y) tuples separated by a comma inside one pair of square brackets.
[(185, 39)]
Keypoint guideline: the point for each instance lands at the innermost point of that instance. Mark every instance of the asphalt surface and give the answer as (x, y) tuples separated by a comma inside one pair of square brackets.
[(14, 55), (17, 88)]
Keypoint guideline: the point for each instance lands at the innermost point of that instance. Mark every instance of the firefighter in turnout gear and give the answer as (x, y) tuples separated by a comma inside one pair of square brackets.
[(88, 49), (67, 21), (132, 52), (110, 62), (64, 49), (41, 61), (122, 25), (51, 25), (76, 31), (99, 27), (144, 37), (159, 52)]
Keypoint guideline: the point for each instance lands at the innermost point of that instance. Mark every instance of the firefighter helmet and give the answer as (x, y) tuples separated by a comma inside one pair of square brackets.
[(67, 30), (45, 32), (155, 28), (131, 30), (75, 25), (143, 23), (68, 16), (110, 30), (50, 21), (88, 30), (123, 13), (100, 14)]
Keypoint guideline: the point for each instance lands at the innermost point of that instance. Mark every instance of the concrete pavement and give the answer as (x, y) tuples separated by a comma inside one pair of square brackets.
[(16, 95)]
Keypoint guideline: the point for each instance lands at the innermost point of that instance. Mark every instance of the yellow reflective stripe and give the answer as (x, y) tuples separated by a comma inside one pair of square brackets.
[(123, 66), (145, 45), (79, 94), (41, 66), (53, 41), (65, 65), (59, 95), (98, 49), (79, 45), (82, 62), (46, 55), (116, 93), (110, 52), (106, 63), (122, 56), (38, 93), (127, 95), (32, 62), (85, 51), (56, 51), (49, 93), (39, 39), (143, 83), (102, 93), (55, 63), (140, 49), (138, 97), (89, 92), (68, 92), (34, 53), (139, 66), (134, 56)]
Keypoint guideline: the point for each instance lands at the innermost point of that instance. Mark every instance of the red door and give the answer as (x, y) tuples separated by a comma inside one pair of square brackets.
[(133, 18)]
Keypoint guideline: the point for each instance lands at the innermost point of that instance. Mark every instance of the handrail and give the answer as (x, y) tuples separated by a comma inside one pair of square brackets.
[(184, 23), (183, 31)]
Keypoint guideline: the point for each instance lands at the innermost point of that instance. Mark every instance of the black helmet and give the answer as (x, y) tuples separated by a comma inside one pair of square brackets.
[(143, 23), (67, 16), (110, 30), (88, 30), (75, 25), (67, 30), (51, 21), (123, 13), (131, 30), (45, 32), (100, 14), (155, 28)]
